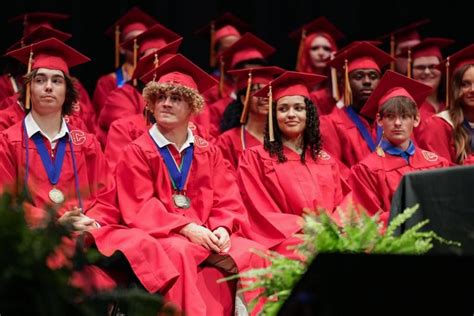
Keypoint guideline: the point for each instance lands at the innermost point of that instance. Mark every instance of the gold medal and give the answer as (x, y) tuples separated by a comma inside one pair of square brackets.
[(56, 196), (181, 201)]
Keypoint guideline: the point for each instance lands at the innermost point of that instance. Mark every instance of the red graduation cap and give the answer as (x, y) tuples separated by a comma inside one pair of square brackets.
[(430, 46), (133, 20), (155, 37), (50, 53), (393, 85), (33, 20), (40, 33), (245, 78), (247, 47), (222, 26), (360, 56), (180, 70), (158, 57), (288, 84), (319, 25), (355, 43)]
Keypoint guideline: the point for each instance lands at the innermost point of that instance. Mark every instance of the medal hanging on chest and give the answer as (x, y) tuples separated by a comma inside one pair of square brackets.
[(52, 168), (181, 201), (178, 175)]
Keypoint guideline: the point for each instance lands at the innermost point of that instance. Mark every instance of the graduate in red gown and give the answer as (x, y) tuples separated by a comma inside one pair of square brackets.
[(395, 104), (248, 52), (223, 31), (244, 120), (318, 45), (347, 133), (177, 187), (424, 59), (451, 132), (131, 24), (63, 167), (401, 39), (126, 100), (290, 172)]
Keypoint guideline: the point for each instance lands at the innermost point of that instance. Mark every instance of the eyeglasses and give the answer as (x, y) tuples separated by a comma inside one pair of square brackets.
[(422, 68)]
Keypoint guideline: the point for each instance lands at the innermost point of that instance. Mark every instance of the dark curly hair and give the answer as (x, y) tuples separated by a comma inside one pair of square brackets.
[(232, 113), (72, 95), (311, 137)]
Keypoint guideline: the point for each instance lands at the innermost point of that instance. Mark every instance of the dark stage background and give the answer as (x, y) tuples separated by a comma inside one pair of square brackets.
[(271, 19)]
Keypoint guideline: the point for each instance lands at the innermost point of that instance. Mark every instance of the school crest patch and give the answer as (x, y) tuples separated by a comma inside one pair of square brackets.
[(200, 142), (429, 156), (78, 137), (324, 155)]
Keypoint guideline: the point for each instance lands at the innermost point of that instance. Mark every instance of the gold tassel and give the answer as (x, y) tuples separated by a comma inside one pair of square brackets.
[(212, 53), (335, 87), (409, 63), (447, 82), (135, 58), (28, 85), (392, 51), (117, 46), (243, 117), (156, 62), (347, 87), (300, 50), (221, 79), (379, 149), (271, 133)]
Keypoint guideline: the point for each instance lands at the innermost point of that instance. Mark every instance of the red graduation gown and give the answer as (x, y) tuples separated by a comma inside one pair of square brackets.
[(216, 111), (146, 257), (125, 130), (145, 199), (427, 110), (231, 144), (122, 102), (14, 113), (275, 194), (86, 109), (323, 100), (342, 138), (438, 137), (6, 86), (104, 86), (375, 179), (212, 95)]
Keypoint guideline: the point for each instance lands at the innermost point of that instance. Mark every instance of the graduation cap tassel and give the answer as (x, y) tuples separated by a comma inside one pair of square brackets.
[(243, 117), (447, 83), (156, 62), (28, 85), (347, 87), (271, 133), (300, 50), (135, 58), (392, 51), (212, 53), (221, 79), (117, 47), (335, 87), (409, 64)]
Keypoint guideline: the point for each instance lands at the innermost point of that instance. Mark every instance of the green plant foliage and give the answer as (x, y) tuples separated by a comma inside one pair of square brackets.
[(29, 287), (359, 233)]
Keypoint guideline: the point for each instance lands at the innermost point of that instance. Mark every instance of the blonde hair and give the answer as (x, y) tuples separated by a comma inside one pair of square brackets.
[(191, 96)]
